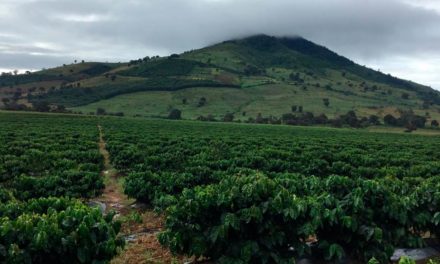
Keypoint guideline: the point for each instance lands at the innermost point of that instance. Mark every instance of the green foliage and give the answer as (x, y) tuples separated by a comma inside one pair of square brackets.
[(362, 194), (85, 95), (175, 114), (252, 220), (51, 230), (163, 67), (406, 260), (41, 162), (373, 261)]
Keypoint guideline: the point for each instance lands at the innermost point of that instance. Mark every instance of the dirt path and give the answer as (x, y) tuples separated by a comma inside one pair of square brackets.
[(142, 246), (113, 196)]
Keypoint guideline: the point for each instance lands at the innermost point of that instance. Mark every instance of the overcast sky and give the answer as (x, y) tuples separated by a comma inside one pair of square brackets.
[(401, 37)]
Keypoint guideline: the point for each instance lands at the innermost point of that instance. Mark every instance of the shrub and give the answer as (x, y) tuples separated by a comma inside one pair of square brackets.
[(56, 231), (251, 220), (175, 114)]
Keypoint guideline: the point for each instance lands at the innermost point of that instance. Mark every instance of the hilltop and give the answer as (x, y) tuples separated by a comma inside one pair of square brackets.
[(246, 77)]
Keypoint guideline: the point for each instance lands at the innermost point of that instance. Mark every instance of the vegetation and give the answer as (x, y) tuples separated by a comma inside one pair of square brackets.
[(42, 171), (270, 189), (51, 230), (259, 74)]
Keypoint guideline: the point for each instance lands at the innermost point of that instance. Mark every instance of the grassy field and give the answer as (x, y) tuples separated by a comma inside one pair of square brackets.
[(275, 100)]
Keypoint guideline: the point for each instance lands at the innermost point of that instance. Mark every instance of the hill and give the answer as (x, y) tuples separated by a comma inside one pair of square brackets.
[(255, 75)]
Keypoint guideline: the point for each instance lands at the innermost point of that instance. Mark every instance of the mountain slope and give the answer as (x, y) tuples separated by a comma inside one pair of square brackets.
[(259, 74)]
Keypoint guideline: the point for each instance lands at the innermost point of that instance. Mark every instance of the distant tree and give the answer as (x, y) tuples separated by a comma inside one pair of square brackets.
[(252, 70), (328, 87), (321, 119), (294, 108), (259, 119), (426, 104), (390, 120), (243, 113), (373, 120), (350, 119), (82, 61), (175, 114), (209, 118), (100, 111), (300, 109), (5, 101), (42, 106), (296, 77), (113, 78), (174, 56), (202, 102), (405, 96), (326, 102), (229, 117), (410, 127), (337, 122), (184, 101), (434, 123), (15, 72), (60, 108)]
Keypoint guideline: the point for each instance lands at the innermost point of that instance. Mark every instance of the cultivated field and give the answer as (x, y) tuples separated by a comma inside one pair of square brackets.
[(232, 193)]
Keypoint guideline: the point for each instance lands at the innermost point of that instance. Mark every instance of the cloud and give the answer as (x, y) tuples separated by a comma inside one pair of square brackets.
[(394, 35)]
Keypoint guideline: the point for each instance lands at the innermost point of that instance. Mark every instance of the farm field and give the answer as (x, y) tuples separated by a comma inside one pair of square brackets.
[(227, 193)]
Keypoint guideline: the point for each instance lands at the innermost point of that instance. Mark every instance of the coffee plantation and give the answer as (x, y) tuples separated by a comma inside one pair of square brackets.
[(46, 164), (250, 194), (230, 193)]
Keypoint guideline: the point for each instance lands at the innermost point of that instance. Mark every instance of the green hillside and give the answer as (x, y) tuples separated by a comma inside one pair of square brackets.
[(259, 74)]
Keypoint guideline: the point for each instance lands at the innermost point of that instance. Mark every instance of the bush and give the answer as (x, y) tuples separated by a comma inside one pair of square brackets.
[(100, 111), (175, 114), (56, 231), (251, 220)]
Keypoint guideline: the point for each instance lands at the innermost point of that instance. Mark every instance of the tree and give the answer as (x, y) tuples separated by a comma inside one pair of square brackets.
[(294, 108), (434, 123), (350, 119), (259, 119), (374, 120), (184, 101), (175, 114), (410, 127), (100, 111), (42, 106), (202, 102), (229, 117), (390, 120), (405, 96), (326, 102), (5, 101), (321, 119), (113, 78), (300, 109), (60, 108)]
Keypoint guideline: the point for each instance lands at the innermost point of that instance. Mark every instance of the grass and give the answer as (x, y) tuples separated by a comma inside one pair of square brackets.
[(274, 99)]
